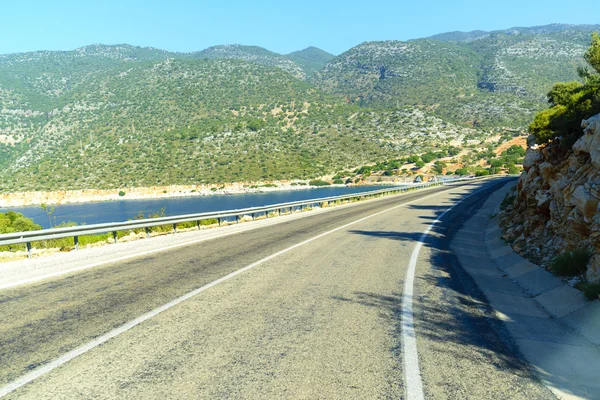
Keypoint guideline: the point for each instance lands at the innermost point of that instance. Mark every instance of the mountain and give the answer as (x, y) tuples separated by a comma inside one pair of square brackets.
[(500, 79), (109, 118), (301, 64), (311, 59), (252, 54), (458, 36), (118, 116)]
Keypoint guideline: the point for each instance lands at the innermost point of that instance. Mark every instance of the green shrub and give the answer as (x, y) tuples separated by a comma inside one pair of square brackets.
[(338, 182), (590, 290), (439, 167), (161, 228), (514, 150), (364, 171), (571, 263), (427, 158), (15, 222), (121, 193), (318, 182), (512, 169)]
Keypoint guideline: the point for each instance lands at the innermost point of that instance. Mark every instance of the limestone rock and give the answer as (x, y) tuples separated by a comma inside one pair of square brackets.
[(547, 171), (557, 206), (590, 141), (531, 158), (543, 199), (585, 202)]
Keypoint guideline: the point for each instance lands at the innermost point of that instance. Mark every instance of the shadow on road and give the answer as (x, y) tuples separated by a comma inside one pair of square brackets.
[(450, 310)]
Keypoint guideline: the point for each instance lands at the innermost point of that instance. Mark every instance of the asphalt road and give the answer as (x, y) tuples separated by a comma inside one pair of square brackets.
[(321, 320)]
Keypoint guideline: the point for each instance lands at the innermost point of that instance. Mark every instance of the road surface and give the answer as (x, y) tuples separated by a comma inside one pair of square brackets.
[(316, 312)]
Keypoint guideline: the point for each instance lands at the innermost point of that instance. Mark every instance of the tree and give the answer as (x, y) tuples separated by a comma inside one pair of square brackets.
[(592, 55), (49, 211), (427, 158), (16, 222), (420, 164), (439, 166), (364, 171), (571, 102), (453, 151), (412, 159), (515, 150)]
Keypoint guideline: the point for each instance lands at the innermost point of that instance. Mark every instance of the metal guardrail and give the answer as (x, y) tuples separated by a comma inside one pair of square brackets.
[(114, 227)]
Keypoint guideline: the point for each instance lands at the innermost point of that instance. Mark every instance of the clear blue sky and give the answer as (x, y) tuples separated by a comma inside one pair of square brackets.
[(281, 26)]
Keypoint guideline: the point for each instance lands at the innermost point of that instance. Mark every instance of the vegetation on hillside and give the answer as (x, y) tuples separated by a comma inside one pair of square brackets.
[(112, 117), (571, 102), (183, 121), (499, 80)]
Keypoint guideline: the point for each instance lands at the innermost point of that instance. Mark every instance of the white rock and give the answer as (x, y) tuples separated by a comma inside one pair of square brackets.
[(531, 158), (590, 141)]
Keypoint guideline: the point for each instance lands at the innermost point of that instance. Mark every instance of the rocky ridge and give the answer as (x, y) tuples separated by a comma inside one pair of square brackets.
[(556, 203)]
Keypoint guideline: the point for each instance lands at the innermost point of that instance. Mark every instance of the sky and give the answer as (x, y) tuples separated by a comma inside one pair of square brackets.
[(283, 27)]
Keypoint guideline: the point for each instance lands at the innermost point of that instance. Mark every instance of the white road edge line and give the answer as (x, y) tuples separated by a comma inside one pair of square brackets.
[(412, 373), (65, 358)]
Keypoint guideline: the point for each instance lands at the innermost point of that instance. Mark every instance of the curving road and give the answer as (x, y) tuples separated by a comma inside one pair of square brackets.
[(315, 310)]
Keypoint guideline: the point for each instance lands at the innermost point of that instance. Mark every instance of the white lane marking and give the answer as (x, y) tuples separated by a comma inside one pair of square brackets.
[(412, 373), (27, 378)]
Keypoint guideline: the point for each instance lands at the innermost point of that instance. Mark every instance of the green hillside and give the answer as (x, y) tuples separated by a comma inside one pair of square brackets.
[(500, 79), (117, 116), (144, 123)]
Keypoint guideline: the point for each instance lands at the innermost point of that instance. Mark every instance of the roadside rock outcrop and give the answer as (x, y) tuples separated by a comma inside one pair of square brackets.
[(556, 206)]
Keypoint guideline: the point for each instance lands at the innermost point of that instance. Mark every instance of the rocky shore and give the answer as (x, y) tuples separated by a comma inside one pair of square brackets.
[(555, 208), (144, 193)]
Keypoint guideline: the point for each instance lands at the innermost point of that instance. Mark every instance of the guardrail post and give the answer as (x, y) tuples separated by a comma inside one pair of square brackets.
[(174, 229), (252, 216), (115, 236), (267, 214), (147, 233), (28, 249), (76, 241), (237, 219), (219, 219), (198, 224)]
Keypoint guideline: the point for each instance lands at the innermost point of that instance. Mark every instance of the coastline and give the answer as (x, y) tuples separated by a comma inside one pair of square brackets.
[(24, 199)]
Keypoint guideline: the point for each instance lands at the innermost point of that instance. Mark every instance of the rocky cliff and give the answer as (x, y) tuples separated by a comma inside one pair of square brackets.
[(556, 202)]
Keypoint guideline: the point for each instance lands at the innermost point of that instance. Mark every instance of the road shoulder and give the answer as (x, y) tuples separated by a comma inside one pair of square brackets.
[(551, 324)]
